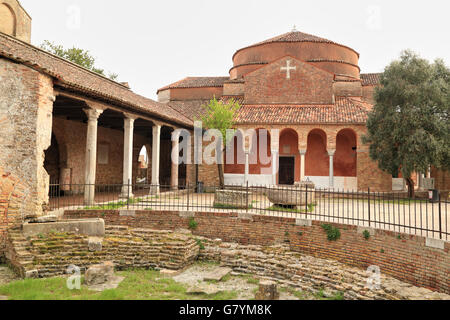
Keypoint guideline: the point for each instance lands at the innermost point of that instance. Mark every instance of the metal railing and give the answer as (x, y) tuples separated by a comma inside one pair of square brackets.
[(382, 210)]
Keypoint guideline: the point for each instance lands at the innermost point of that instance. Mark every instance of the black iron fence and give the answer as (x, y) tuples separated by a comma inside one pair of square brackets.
[(383, 210)]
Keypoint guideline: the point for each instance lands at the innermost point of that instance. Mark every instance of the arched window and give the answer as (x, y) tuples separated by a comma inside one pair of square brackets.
[(7, 20)]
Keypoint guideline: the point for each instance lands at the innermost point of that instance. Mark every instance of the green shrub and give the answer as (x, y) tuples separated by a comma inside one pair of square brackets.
[(366, 234), (333, 233), (200, 244), (193, 224)]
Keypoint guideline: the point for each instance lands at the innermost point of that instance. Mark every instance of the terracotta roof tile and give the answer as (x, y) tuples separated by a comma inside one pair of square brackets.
[(193, 109), (370, 79), (295, 36), (344, 111), (197, 82), (79, 79)]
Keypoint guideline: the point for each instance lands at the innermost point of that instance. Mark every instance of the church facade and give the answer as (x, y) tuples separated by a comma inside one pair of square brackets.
[(311, 94)]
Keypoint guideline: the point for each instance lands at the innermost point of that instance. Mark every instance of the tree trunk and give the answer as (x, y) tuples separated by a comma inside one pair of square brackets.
[(410, 183), (221, 176), (220, 171)]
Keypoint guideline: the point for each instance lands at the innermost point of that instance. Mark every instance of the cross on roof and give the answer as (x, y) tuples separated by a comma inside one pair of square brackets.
[(288, 69)]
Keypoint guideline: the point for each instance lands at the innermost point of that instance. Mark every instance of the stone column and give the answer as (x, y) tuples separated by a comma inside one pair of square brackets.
[(175, 156), (275, 148), (274, 166), (302, 165), (331, 153), (247, 167), (156, 148), (127, 190), (91, 155)]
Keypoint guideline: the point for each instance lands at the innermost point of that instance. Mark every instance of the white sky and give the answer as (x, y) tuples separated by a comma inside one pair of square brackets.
[(153, 43)]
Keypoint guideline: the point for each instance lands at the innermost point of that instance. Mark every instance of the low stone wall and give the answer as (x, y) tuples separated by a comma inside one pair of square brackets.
[(310, 274), (231, 199), (47, 255), (413, 259)]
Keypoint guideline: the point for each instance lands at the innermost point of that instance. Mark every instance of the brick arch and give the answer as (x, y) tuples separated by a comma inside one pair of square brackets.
[(8, 20), (288, 147), (237, 165), (345, 158), (262, 165), (317, 158)]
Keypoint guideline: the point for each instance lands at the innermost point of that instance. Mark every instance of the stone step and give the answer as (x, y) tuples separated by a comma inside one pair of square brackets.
[(217, 274)]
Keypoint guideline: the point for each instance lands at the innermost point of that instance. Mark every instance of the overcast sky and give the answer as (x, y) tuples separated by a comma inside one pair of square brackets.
[(153, 43)]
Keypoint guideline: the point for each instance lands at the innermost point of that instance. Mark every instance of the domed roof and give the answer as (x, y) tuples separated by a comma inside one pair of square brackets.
[(295, 36)]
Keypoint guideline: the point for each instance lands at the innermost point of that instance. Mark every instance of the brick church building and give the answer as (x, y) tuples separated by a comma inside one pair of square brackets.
[(311, 90)]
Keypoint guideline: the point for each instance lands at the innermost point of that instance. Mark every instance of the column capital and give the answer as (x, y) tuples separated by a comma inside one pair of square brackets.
[(331, 152), (176, 134), (130, 116), (93, 114), (302, 152)]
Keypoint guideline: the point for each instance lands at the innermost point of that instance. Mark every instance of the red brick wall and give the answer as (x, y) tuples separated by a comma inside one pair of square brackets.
[(195, 93), (407, 259), (337, 59), (307, 85), (25, 132)]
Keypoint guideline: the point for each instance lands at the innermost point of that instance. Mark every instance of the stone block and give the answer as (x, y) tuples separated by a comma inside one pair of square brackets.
[(435, 243), (232, 199), (31, 274), (44, 219), (303, 222), (88, 227), (127, 213), (361, 230), (95, 244), (187, 214), (99, 274), (268, 290)]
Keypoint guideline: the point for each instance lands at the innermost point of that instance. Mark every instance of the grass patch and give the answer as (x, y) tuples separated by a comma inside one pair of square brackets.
[(333, 233), (229, 206), (115, 205), (138, 285), (311, 208), (320, 295)]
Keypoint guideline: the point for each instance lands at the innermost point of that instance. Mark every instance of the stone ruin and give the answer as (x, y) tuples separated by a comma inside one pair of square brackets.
[(295, 197), (232, 199), (44, 252)]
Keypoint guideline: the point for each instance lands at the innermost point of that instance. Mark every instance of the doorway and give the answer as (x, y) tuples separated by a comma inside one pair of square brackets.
[(287, 171)]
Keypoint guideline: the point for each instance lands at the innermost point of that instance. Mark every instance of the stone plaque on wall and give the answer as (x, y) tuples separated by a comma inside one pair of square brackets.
[(286, 149), (428, 184), (398, 184), (103, 154)]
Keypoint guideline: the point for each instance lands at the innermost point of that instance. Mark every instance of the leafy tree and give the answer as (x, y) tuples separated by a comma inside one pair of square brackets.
[(76, 55), (220, 115), (409, 127)]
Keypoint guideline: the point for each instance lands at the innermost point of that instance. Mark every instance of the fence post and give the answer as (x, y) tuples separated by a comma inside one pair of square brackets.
[(440, 217), (247, 204), (368, 203), (306, 199), (188, 196), (128, 195)]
